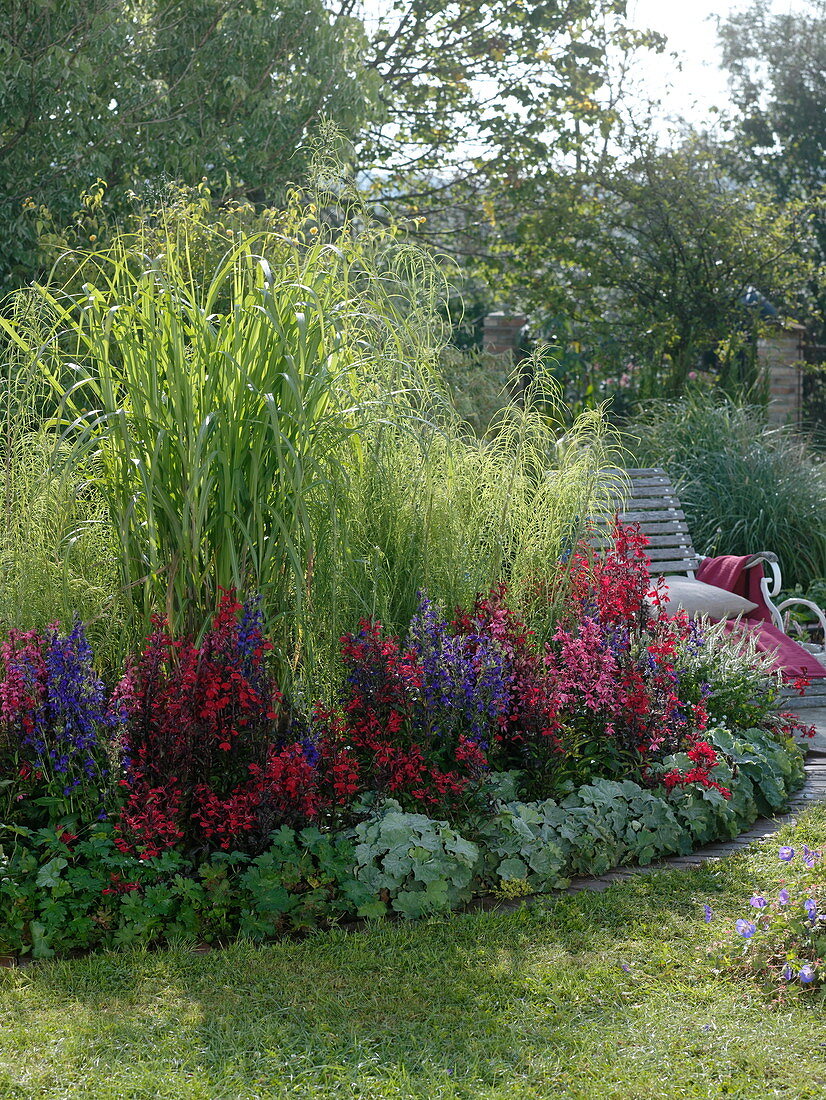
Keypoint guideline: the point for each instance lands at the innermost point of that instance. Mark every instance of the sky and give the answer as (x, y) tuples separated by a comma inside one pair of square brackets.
[(698, 85)]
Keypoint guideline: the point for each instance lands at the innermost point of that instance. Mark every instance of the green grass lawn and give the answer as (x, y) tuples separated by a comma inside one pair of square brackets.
[(533, 1003)]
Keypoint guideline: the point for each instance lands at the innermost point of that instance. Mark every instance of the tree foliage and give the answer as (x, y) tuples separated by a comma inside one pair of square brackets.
[(654, 261), (138, 92), (511, 78), (777, 65)]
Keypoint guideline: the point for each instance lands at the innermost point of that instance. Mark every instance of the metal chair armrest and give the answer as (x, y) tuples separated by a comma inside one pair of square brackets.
[(770, 588)]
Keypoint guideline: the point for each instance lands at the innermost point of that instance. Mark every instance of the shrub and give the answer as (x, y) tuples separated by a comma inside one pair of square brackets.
[(744, 486)]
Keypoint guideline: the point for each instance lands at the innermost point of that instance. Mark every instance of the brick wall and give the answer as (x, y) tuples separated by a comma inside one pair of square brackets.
[(501, 332)]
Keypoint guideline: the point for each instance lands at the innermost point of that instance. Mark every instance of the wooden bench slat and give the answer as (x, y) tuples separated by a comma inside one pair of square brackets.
[(651, 517), (670, 553), (651, 504), (674, 539), (644, 491), (682, 565)]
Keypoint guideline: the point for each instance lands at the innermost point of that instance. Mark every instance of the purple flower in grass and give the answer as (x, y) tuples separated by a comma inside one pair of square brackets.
[(806, 974), (787, 973), (786, 854), (758, 902), (810, 905), (708, 913), (745, 928), (783, 897)]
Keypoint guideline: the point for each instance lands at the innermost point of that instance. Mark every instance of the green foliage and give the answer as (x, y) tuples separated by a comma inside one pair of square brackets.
[(108, 98), (276, 424), (773, 766), (758, 770), (302, 881), (526, 82), (638, 822), (432, 509), (411, 864), (775, 62), (648, 264), (479, 383), (744, 486), (520, 843)]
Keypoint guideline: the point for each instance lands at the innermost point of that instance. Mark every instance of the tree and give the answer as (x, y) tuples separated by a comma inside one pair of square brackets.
[(135, 92), (777, 67), (656, 261)]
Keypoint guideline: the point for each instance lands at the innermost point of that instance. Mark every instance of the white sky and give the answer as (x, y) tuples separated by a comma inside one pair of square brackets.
[(698, 84)]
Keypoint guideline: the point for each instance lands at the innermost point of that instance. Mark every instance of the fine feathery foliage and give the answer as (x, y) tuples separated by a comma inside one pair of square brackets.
[(744, 486), (280, 428), (57, 551)]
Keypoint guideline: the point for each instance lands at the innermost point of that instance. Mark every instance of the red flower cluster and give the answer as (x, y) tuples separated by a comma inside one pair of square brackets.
[(385, 751), (704, 757), (199, 719)]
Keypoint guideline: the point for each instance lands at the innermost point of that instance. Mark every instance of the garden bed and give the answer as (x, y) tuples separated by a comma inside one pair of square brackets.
[(468, 760)]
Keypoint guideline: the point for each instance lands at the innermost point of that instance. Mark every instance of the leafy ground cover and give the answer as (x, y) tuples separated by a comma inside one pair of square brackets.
[(591, 995)]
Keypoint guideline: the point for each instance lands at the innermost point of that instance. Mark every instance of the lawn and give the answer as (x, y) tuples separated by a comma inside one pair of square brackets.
[(529, 1003)]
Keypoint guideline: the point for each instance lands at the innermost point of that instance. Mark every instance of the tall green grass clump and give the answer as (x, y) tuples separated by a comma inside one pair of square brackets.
[(434, 508), (745, 486), (56, 545), (279, 425)]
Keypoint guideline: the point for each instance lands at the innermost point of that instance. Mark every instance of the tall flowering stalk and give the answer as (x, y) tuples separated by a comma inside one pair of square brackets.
[(55, 725), (464, 680)]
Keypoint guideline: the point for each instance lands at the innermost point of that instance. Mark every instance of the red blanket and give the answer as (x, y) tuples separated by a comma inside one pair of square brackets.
[(790, 658)]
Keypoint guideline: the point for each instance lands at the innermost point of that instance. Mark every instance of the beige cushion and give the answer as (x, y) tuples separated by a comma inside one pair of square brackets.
[(697, 598)]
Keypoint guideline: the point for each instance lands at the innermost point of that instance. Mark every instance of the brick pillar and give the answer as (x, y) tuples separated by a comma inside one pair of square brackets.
[(779, 356), (502, 330)]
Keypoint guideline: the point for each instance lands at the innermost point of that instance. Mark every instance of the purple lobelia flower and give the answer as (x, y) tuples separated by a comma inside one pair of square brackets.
[(464, 686), (54, 707)]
